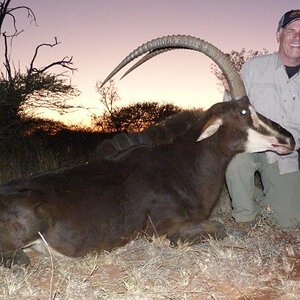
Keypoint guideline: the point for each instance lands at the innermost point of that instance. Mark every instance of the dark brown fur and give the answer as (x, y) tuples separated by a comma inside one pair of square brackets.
[(162, 182)]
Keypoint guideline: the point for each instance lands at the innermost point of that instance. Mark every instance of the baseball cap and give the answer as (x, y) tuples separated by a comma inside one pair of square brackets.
[(288, 18)]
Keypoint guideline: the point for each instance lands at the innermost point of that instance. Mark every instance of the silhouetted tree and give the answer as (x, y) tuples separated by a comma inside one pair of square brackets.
[(135, 117), (108, 97), (22, 92)]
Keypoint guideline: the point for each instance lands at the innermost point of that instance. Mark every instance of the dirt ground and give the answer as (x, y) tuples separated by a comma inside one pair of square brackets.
[(263, 264)]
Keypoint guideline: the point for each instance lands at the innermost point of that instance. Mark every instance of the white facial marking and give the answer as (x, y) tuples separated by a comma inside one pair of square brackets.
[(254, 117), (257, 122), (258, 142)]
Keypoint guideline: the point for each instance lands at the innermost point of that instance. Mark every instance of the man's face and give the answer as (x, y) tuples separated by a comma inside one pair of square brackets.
[(289, 44)]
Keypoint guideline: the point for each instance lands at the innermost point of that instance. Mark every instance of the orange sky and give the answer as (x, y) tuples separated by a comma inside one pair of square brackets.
[(99, 34)]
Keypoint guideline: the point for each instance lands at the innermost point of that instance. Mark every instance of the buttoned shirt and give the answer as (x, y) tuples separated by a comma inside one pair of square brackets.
[(277, 97)]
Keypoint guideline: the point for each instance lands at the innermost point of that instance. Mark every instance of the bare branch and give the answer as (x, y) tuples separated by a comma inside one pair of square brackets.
[(6, 57), (66, 62), (5, 11), (30, 13), (37, 50)]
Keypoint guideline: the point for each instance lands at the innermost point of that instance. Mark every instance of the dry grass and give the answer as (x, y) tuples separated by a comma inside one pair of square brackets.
[(264, 264)]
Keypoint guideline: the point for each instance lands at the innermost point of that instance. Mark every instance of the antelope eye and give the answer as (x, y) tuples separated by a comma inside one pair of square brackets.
[(244, 111)]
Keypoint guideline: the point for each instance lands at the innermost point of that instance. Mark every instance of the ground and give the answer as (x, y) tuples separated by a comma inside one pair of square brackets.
[(261, 265)]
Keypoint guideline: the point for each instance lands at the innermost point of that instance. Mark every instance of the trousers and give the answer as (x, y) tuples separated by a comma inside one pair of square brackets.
[(280, 193)]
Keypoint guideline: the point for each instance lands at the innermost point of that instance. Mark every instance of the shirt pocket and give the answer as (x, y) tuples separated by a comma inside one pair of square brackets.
[(264, 98)]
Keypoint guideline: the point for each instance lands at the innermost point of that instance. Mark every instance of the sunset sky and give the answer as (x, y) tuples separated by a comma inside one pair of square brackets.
[(99, 34)]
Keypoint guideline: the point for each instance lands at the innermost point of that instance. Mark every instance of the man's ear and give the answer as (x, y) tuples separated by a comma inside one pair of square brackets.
[(278, 36), (211, 127)]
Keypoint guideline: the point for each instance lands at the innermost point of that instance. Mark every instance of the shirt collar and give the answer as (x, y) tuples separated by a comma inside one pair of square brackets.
[(279, 63)]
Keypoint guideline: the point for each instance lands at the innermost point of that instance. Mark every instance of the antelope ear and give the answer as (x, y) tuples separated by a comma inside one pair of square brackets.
[(211, 127)]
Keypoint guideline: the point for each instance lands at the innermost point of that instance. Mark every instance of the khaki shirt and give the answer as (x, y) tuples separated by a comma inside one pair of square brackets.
[(277, 97)]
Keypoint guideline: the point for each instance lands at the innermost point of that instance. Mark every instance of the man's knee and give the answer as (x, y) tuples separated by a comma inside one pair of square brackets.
[(287, 218), (282, 195), (244, 162)]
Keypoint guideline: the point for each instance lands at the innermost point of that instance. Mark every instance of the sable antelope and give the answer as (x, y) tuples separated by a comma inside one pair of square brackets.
[(167, 183)]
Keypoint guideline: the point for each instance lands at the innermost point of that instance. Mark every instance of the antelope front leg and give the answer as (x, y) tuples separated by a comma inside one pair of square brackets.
[(195, 233)]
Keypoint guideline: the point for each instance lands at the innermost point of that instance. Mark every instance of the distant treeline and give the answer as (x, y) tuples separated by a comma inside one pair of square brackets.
[(38, 145)]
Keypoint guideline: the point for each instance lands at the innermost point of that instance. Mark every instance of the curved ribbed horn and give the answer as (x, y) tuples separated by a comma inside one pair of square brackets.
[(167, 43), (147, 57)]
